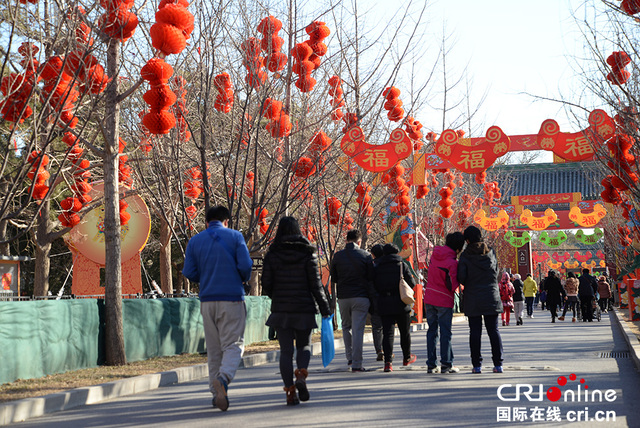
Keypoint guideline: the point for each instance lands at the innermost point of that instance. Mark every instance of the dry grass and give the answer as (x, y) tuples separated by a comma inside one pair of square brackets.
[(28, 388)]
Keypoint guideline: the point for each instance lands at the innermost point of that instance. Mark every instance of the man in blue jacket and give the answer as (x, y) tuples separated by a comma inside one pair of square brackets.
[(219, 260)]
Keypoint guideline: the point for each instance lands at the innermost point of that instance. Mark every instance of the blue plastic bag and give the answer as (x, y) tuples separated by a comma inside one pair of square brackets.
[(326, 337)]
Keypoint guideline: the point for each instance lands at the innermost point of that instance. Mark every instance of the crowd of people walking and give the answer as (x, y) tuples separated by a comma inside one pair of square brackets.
[(367, 285)]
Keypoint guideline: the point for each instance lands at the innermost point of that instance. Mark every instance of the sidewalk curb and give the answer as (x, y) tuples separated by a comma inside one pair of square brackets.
[(630, 338), (28, 408)]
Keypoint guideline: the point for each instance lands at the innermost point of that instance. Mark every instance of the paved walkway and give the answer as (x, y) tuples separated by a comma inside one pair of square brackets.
[(536, 355)]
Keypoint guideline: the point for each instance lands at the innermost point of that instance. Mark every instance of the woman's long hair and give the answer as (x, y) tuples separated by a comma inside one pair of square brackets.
[(287, 226)]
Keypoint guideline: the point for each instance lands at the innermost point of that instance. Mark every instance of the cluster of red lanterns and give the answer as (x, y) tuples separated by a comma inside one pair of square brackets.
[(90, 73), (363, 199), (18, 87), (280, 124), (621, 162), (317, 31), (254, 63), (320, 143), (39, 174), (83, 31), (465, 214), (262, 215), (303, 67), (624, 236), (124, 170), (393, 104), (610, 193), (272, 44), (118, 22), (159, 97), (81, 186), (445, 202), (180, 108), (249, 184), (413, 127), (491, 192), (337, 102), (399, 188), (333, 206), (224, 99), (630, 6), (173, 27), (618, 61), (59, 90), (304, 167), (193, 183), (349, 119)]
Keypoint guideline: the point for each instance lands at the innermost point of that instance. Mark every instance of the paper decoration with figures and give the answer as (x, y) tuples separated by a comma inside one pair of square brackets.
[(538, 223), (491, 223), (553, 241), (589, 239), (6, 280), (576, 146), (517, 241), (376, 158), (587, 220), (476, 158)]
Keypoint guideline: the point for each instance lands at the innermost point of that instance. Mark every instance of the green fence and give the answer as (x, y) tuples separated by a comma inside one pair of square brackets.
[(38, 338)]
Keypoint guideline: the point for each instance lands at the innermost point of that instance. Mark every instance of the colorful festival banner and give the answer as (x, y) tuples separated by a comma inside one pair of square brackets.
[(576, 146), (554, 241), (538, 223), (476, 158), (589, 219), (517, 241), (553, 198), (376, 158), (590, 239), (491, 223)]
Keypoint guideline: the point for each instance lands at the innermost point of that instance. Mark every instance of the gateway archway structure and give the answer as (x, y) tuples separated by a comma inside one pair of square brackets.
[(561, 188)]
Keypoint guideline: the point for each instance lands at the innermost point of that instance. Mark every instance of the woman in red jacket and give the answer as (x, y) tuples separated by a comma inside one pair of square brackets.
[(442, 282)]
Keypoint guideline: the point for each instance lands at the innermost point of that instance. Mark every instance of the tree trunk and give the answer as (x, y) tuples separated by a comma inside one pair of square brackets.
[(43, 250), (4, 247), (114, 333), (166, 280)]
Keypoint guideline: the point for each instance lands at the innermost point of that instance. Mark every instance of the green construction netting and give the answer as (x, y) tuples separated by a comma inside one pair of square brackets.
[(38, 338)]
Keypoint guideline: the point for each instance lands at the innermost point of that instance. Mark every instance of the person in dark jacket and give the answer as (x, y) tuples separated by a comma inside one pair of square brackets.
[(555, 293), (478, 272), (388, 270), (352, 271), (518, 298), (376, 321), (586, 293), (291, 278)]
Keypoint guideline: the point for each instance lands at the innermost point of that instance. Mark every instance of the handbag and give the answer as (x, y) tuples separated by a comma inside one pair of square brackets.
[(406, 292), (326, 338)]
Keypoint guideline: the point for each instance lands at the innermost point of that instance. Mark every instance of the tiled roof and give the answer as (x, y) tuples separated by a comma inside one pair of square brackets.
[(547, 178)]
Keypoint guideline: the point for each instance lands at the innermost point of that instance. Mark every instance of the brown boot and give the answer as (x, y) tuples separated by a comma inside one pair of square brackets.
[(301, 384), (292, 397)]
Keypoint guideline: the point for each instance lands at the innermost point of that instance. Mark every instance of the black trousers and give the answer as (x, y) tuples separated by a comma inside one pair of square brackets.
[(388, 332), (586, 306), (303, 351), (475, 339)]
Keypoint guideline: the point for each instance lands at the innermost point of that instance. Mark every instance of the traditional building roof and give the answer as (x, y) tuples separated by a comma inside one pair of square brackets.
[(548, 178)]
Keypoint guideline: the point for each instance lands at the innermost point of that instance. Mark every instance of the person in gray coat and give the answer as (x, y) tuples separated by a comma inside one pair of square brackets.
[(478, 272)]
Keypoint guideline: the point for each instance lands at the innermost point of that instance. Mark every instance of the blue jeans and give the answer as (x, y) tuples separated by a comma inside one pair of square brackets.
[(475, 339), (441, 318)]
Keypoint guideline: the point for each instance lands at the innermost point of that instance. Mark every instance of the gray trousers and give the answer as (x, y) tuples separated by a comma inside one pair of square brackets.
[(224, 335), (353, 312)]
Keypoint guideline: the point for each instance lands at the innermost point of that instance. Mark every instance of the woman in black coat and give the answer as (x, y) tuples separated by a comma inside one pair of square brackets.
[(390, 307), (555, 293), (291, 278)]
